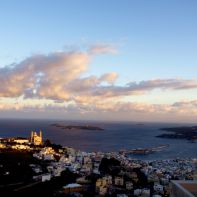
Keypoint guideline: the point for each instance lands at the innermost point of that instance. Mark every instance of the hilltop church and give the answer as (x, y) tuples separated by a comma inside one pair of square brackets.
[(35, 138)]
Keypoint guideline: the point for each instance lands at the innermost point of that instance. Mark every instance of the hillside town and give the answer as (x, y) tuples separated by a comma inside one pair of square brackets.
[(94, 173)]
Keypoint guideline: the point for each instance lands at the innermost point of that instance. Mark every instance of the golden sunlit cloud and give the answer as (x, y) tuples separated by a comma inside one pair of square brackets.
[(55, 82)]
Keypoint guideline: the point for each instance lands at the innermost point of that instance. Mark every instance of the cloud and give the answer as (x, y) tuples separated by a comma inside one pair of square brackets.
[(109, 77), (102, 49), (140, 109), (58, 76), (126, 110), (142, 87), (55, 76), (186, 104), (40, 73), (56, 82), (163, 84)]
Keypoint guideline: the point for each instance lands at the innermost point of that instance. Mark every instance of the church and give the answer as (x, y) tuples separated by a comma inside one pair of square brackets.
[(36, 139)]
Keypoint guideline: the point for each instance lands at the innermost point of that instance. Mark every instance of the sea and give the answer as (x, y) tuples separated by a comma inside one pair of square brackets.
[(114, 137)]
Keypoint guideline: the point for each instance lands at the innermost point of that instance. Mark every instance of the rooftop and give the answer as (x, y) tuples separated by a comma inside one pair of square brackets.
[(72, 185), (188, 188)]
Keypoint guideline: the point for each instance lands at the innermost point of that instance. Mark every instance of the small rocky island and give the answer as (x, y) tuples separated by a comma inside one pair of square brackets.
[(78, 127), (188, 133)]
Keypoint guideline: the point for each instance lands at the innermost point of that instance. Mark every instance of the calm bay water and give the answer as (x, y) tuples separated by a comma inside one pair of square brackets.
[(116, 136)]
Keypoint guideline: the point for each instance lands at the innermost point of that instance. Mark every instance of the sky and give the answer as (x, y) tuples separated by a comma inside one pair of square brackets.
[(122, 60)]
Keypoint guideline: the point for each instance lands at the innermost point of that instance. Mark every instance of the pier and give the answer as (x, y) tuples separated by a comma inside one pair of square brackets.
[(142, 151)]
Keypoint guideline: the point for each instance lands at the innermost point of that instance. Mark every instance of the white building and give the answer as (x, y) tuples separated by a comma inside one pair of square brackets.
[(45, 177), (102, 190), (137, 192), (129, 185), (21, 141), (158, 188), (21, 147), (119, 181)]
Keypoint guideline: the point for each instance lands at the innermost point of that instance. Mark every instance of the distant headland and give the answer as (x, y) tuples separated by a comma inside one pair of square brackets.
[(79, 127), (188, 133)]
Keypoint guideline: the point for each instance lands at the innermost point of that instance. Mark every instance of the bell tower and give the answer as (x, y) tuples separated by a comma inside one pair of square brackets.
[(40, 137)]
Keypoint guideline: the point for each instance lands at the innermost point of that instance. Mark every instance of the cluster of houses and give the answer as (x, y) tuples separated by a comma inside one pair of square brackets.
[(158, 173), (131, 178)]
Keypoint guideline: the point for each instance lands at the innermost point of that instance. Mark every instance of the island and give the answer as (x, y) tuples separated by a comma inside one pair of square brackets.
[(78, 127), (188, 133)]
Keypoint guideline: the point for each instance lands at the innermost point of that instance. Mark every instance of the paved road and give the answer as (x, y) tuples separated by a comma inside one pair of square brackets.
[(26, 186)]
